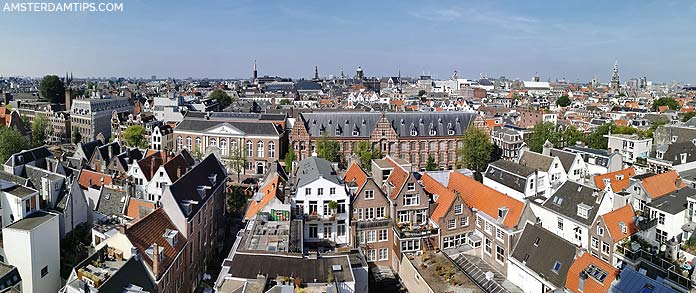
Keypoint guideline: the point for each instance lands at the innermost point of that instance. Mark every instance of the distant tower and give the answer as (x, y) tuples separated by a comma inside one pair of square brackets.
[(359, 73), (316, 72), (256, 75), (536, 77), (455, 75), (615, 77)]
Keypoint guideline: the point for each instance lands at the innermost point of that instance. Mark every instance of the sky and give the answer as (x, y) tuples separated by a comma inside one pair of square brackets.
[(575, 40)]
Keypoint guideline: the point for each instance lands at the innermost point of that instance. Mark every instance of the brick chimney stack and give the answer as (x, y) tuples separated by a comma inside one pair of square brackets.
[(155, 259)]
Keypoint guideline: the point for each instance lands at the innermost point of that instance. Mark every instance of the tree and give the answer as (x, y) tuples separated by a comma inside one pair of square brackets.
[(328, 149), (76, 136), (563, 101), (11, 142), (688, 116), (666, 101), (476, 150), (430, 164), (422, 93), (134, 136), (542, 132), (40, 130), (289, 158), (236, 200), (569, 137), (222, 97), (236, 161), (285, 102), (52, 88), (366, 153)]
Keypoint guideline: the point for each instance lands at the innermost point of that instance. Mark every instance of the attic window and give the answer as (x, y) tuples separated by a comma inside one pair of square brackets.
[(619, 177), (403, 122), (536, 242), (170, 236), (674, 138), (557, 267), (583, 210), (356, 133), (347, 122), (414, 132), (624, 228), (337, 131), (433, 132), (450, 132), (502, 212)]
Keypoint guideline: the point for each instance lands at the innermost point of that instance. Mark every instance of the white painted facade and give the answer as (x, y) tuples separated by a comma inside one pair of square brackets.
[(317, 195)]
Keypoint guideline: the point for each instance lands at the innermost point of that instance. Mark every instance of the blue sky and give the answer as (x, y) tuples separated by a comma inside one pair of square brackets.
[(220, 39)]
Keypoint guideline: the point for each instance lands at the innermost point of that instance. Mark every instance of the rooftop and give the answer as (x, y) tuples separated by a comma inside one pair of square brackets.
[(31, 221)]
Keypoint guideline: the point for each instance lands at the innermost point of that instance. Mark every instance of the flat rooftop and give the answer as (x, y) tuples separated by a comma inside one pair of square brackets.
[(249, 266), (31, 221)]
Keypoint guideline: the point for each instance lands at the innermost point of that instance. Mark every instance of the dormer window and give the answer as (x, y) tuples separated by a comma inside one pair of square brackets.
[(338, 131), (356, 133), (674, 138), (619, 177), (624, 228), (450, 132), (171, 237), (583, 210), (414, 132), (502, 212), (433, 132)]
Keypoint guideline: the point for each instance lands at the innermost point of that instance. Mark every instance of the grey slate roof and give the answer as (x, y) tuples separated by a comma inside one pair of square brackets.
[(566, 158), (540, 249), (510, 174), (31, 221), (536, 161), (111, 201), (249, 128), (31, 155), (186, 187), (566, 199), (14, 178), (673, 202), (673, 151), (311, 168), (401, 122)]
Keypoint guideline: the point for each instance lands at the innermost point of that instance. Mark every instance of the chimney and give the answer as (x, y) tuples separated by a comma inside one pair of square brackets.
[(122, 229), (178, 172), (152, 166), (68, 98), (155, 259)]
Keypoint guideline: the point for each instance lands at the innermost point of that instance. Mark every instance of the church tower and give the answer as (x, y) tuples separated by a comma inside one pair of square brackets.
[(615, 77), (256, 75)]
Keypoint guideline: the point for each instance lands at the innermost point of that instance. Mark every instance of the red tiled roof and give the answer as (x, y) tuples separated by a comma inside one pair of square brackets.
[(151, 229), (591, 284), (355, 173), (397, 178), (614, 219), (133, 210), (94, 179), (485, 199), (616, 184), (151, 162), (661, 184), (445, 197), (270, 192)]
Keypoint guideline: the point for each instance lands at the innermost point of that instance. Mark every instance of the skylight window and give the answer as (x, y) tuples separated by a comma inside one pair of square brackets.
[(556, 267)]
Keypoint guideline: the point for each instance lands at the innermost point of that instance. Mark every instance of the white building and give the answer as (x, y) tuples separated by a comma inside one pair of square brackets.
[(630, 147), (517, 181), (16, 202), (317, 186), (33, 246)]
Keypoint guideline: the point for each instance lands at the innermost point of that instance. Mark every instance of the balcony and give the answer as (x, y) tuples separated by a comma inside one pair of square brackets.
[(318, 217), (635, 252), (645, 223), (414, 231)]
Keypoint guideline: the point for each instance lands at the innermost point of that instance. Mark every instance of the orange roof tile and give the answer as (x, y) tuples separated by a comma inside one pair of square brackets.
[(591, 284), (355, 173), (614, 219), (485, 199), (445, 197), (621, 122), (94, 179), (397, 178), (617, 181), (661, 184), (138, 208), (270, 192), (149, 230)]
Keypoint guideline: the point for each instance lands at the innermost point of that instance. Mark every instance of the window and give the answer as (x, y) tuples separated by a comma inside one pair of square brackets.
[(223, 147), (600, 231), (433, 132), (411, 200), (359, 213), (414, 132), (369, 213), (451, 224), (327, 232), (188, 143), (299, 207), (489, 228), (404, 216), (44, 271), (499, 234), (458, 209), (179, 143), (464, 221), (487, 246), (259, 149), (271, 149), (341, 230), (661, 218), (411, 186), (250, 148), (605, 247), (499, 254), (308, 191), (369, 194), (478, 221), (313, 207), (341, 206), (198, 143), (560, 223), (380, 212), (332, 190), (382, 236), (582, 211), (326, 210), (595, 243), (383, 254), (660, 236), (410, 245), (320, 191), (557, 267)]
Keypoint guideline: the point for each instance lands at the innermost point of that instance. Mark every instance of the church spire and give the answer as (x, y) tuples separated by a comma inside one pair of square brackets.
[(255, 72), (615, 83), (316, 72)]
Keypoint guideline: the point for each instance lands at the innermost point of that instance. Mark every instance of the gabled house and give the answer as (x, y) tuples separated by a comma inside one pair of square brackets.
[(102, 155), (608, 231), (371, 222), (195, 203), (571, 211), (590, 274), (545, 163), (647, 187), (516, 180), (318, 187), (573, 164), (270, 199), (671, 213), (142, 171), (616, 182), (499, 219), (450, 214), (540, 260), (598, 161)]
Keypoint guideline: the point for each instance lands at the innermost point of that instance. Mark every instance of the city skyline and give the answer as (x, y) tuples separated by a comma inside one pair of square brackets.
[(221, 40)]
